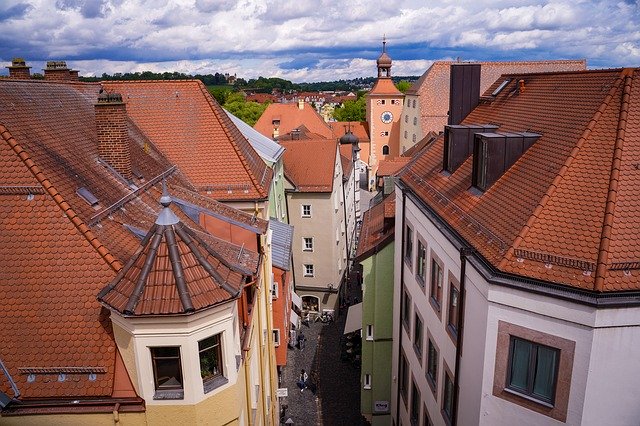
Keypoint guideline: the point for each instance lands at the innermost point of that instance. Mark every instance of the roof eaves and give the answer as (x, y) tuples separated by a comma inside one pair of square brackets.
[(59, 200)]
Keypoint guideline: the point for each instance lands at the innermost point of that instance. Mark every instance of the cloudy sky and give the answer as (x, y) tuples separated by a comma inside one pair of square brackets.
[(307, 40)]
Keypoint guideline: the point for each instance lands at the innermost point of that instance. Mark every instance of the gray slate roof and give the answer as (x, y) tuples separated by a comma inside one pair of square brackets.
[(269, 150), (281, 239)]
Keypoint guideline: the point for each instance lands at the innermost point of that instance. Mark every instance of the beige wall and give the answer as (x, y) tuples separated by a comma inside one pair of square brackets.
[(410, 123)]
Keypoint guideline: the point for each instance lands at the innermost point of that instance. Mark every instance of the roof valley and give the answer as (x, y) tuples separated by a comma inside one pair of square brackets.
[(561, 174), (605, 239)]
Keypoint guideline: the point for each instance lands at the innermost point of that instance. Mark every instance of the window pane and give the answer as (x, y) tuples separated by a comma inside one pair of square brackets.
[(210, 357), (166, 367), (545, 372), (448, 396), (520, 364)]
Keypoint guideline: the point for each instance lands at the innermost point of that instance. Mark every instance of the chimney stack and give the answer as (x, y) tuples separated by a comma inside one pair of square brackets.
[(19, 69), (464, 91), (74, 75), (300, 103), (113, 137), (56, 71)]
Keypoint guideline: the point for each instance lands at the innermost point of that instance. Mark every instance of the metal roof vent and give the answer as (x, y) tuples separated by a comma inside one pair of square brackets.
[(87, 196)]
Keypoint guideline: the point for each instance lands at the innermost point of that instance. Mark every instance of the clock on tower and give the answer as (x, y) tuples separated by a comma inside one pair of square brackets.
[(386, 117)]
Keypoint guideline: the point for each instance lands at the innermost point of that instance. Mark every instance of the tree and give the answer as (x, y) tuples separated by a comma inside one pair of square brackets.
[(351, 110), (249, 112), (403, 86)]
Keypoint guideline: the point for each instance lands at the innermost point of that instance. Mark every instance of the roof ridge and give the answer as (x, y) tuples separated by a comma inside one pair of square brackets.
[(113, 262), (560, 176), (150, 81), (226, 121), (605, 238)]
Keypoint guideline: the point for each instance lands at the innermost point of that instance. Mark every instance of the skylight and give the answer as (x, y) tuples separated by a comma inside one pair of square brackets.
[(86, 195), (499, 88)]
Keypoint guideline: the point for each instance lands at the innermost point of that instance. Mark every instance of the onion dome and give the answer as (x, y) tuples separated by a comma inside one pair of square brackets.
[(349, 138)]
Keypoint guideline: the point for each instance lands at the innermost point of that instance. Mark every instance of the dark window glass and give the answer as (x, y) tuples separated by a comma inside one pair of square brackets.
[(408, 248), (447, 401), (385, 149), (210, 353), (421, 256), (406, 309), (533, 369), (417, 337), (404, 377), (436, 283), (415, 404), (167, 369), (432, 364), (454, 297)]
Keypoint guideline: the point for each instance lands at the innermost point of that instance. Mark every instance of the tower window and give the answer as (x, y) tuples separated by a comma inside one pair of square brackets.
[(385, 150)]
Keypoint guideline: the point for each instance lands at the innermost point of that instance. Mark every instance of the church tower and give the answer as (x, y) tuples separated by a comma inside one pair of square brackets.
[(384, 107)]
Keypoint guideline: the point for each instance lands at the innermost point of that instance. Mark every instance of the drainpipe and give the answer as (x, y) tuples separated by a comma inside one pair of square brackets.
[(464, 252), (404, 200), (247, 386), (116, 414)]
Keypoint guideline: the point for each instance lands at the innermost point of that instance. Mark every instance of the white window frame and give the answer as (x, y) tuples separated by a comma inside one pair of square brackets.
[(276, 337), (308, 267), (275, 292), (302, 210), (369, 331), (305, 246), (367, 381)]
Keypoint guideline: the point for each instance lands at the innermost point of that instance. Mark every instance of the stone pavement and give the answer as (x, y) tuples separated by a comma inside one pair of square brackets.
[(337, 401)]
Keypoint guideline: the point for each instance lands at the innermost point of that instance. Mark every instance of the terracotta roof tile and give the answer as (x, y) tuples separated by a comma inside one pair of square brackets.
[(377, 227), (391, 166), (309, 164), (193, 131), (567, 205), (432, 87), (385, 86), (291, 117)]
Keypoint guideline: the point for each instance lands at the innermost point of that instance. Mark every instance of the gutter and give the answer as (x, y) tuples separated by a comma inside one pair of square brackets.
[(464, 252), (404, 199)]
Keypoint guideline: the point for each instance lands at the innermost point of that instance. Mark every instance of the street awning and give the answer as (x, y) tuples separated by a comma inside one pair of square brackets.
[(296, 300), (354, 318), (294, 318)]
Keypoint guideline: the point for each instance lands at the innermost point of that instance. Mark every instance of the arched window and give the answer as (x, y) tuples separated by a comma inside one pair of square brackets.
[(405, 134), (385, 150), (310, 304), (415, 121)]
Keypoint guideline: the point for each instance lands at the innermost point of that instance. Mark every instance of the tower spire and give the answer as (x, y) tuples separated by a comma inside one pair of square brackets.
[(384, 43)]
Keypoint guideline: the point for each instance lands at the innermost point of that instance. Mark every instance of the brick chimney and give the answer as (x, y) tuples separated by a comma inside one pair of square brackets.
[(113, 137), (74, 75), (19, 69), (56, 71)]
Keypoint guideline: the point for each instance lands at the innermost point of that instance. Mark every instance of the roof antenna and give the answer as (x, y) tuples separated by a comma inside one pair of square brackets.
[(384, 43)]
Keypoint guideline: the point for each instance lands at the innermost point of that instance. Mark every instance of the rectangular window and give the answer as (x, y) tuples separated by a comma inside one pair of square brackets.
[(452, 317), (447, 397), (308, 270), (432, 365), (367, 381), (306, 210), (404, 378), (406, 310), (408, 246), (276, 337), (210, 353), (533, 369), (275, 290), (421, 260), (167, 372), (417, 336), (307, 244), (369, 332), (436, 284), (415, 404)]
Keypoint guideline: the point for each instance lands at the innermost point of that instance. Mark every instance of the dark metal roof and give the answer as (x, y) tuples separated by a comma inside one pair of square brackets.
[(281, 240)]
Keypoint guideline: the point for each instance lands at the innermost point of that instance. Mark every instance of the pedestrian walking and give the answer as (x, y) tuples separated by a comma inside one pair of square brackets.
[(302, 383), (301, 340)]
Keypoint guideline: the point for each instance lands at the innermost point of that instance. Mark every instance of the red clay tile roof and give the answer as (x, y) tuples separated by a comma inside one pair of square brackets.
[(432, 87), (358, 128), (63, 248), (566, 211), (374, 235), (391, 166), (172, 272), (385, 86), (292, 117), (192, 130), (309, 164), (52, 268)]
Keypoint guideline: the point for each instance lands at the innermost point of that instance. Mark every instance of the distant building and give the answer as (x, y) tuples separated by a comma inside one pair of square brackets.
[(427, 101)]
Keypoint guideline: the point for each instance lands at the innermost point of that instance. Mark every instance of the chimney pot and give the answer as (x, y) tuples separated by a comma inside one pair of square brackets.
[(57, 71), (19, 69), (521, 86)]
